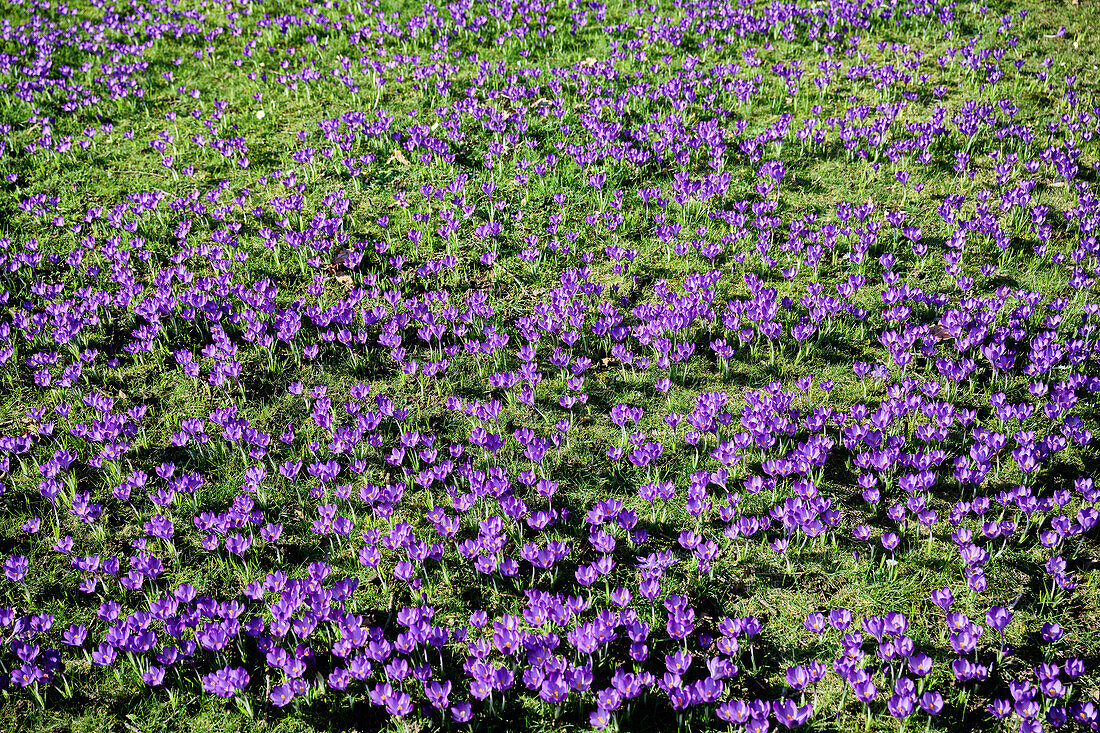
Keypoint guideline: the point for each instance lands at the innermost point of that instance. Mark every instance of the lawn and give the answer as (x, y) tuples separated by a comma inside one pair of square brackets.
[(549, 366)]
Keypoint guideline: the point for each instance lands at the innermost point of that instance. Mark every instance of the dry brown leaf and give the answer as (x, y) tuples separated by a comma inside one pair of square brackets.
[(340, 256), (941, 333)]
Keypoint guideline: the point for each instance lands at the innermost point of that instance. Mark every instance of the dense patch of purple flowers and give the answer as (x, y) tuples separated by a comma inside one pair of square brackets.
[(973, 395)]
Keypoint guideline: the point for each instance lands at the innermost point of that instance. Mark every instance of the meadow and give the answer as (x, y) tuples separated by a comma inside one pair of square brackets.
[(545, 365)]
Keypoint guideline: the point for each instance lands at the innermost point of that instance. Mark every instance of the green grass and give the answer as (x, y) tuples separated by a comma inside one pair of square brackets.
[(750, 581)]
